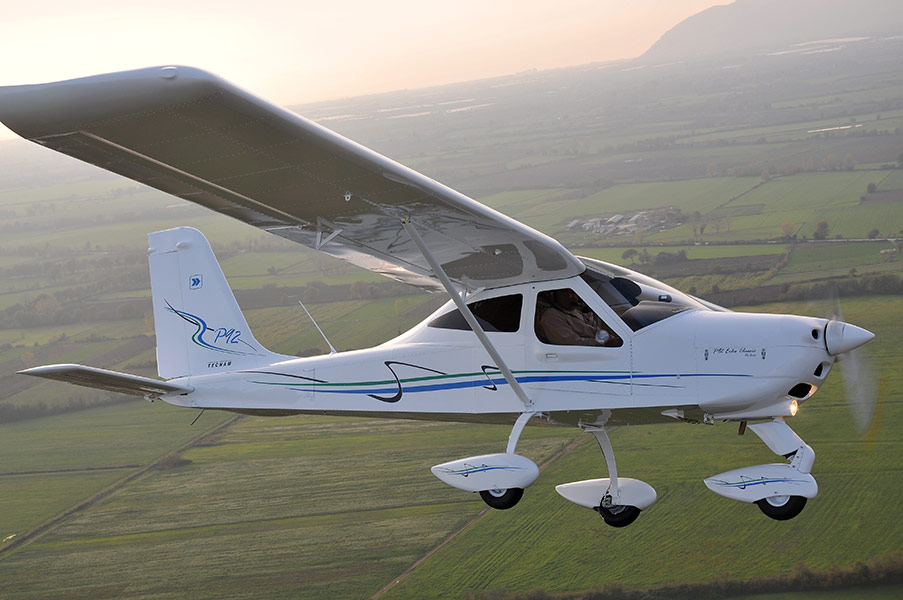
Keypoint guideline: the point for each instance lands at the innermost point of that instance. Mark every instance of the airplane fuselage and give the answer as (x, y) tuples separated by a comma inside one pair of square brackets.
[(697, 365)]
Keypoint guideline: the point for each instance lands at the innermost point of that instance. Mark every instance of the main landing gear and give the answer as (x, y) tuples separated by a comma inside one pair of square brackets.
[(499, 478), (617, 500), (619, 516)]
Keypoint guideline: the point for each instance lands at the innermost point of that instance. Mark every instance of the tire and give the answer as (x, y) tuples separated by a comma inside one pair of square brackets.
[(781, 508), (502, 499), (619, 516)]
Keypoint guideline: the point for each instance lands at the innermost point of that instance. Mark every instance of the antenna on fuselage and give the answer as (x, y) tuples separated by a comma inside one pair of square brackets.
[(311, 317)]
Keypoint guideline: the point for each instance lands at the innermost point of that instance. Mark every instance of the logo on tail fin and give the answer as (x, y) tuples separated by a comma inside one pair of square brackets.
[(196, 282), (220, 339)]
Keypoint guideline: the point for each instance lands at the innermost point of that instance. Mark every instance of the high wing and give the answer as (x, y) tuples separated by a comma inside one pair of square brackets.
[(196, 136)]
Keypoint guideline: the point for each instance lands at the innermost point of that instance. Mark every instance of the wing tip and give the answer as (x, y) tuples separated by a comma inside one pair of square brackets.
[(48, 369), (26, 109)]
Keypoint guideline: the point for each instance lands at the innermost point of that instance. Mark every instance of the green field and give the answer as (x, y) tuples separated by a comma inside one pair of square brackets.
[(894, 181), (351, 324), (803, 200), (294, 507), (702, 195), (820, 259), (41, 475), (734, 208), (694, 252)]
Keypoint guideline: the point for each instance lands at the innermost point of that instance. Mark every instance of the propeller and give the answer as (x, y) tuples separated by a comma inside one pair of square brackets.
[(843, 341)]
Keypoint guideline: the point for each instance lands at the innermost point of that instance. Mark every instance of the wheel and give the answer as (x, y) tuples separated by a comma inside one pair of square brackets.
[(782, 508), (619, 516), (502, 499)]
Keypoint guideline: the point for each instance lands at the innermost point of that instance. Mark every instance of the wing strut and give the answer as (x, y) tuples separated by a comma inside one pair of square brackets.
[(468, 316)]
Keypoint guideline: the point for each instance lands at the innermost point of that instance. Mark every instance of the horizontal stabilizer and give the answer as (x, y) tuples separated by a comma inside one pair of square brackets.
[(107, 380)]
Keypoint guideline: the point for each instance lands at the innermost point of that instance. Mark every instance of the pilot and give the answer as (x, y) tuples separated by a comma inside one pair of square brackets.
[(563, 323)]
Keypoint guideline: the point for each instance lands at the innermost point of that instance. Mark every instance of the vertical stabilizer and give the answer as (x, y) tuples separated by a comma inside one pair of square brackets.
[(200, 328)]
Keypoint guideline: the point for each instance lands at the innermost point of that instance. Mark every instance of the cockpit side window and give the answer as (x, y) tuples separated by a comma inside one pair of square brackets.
[(638, 300), (563, 319), (500, 314)]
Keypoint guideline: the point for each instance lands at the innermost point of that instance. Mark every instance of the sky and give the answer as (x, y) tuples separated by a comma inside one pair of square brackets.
[(306, 51)]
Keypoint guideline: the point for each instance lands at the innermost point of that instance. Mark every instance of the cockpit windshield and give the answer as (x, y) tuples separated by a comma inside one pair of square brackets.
[(638, 299)]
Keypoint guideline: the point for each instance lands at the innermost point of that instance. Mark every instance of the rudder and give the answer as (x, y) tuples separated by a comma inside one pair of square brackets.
[(199, 325)]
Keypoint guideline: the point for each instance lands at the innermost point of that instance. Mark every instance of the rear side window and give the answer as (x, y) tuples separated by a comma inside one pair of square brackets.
[(500, 314)]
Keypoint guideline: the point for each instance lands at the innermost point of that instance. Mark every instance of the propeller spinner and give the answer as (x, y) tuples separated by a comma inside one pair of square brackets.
[(841, 337)]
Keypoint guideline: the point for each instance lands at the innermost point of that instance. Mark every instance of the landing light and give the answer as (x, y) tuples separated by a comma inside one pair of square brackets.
[(772, 411)]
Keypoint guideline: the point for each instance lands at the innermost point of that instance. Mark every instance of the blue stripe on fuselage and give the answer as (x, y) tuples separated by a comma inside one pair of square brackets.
[(480, 382)]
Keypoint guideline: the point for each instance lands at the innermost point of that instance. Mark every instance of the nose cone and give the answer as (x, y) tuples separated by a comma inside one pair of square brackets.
[(842, 337)]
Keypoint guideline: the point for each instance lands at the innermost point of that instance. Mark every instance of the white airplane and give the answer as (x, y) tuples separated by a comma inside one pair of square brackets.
[(532, 333)]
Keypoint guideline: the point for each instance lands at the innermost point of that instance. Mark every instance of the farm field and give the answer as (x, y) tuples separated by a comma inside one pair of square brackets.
[(286, 507), (735, 209), (694, 252), (41, 475), (547, 213), (351, 324), (809, 261), (802, 200)]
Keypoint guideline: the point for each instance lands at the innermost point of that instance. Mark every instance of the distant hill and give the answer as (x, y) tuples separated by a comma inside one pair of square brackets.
[(750, 25)]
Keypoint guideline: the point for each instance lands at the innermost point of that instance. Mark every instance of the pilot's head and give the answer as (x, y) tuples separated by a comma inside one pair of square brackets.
[(567, 299)]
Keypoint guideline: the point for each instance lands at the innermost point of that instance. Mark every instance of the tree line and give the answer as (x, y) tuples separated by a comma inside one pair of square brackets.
[(882, 571), (79, 304), (871, 284)]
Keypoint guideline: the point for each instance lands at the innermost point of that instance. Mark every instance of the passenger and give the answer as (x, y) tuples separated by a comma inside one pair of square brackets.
[(564, 324)]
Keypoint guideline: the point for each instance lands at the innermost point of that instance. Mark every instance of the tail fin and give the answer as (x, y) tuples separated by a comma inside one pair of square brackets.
[(200, 328)]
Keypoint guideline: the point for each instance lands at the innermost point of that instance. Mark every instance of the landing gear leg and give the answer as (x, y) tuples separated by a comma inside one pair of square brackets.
[(610, 509)]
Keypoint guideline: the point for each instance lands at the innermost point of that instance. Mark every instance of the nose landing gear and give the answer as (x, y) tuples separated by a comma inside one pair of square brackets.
[(779, 490)]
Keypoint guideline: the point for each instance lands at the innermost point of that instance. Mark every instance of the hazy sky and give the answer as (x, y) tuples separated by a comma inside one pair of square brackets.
[(294, 52)]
